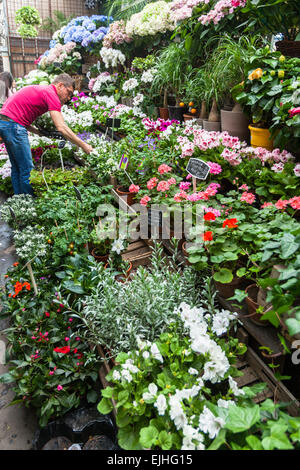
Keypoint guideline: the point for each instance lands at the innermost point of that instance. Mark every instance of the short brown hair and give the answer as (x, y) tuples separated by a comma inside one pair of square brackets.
[(65, 79)]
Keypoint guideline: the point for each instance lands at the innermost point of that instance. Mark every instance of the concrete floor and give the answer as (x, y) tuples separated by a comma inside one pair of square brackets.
[(17, 423)]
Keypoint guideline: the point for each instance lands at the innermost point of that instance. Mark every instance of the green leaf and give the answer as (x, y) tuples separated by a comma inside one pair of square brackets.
[(218, 441), (148, 436), (293, 326), (105, 406), (254, 443), (123, 420), (107, 392), (277, 440), (224, 276), (128, 439), (165, 440), (241, 419), (92, 396), (6, 378)]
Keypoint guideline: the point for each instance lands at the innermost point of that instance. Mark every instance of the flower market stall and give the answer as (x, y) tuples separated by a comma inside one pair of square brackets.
[(166, 261)]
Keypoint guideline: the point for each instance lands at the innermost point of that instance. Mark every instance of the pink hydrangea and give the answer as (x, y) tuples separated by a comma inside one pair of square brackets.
[(134, 188), (144, 201), (152, 183), (164, 169), (248, 197)]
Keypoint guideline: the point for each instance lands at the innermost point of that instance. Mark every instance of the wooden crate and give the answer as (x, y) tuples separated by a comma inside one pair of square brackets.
[(138, 253)]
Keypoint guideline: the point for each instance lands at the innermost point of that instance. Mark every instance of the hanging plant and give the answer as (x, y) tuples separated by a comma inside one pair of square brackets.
[(28, 15), (27, 31)]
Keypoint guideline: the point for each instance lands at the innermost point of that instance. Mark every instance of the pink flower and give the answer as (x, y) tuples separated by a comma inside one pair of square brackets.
[(266, 204), (70, 319), (294, 111), (47, 314), (133, 188), (59, 387), (281, 204), (214, 168), (172, 181), (164, 169), (278, 167), (244, 186), (67, 338), (184, 185), (51, 372), (248, 197), (163, 186), (152, 183), (144, 201), (297, 169), (188, 177), (295, 202)]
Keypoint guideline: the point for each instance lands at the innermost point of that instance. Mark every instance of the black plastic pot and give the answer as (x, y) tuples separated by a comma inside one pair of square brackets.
[(176, 112)]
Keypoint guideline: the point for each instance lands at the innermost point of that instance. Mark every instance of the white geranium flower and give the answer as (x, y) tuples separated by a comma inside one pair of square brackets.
[(161, 404), (209, 424)]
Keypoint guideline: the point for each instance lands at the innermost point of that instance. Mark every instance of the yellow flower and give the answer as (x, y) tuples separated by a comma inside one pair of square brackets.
[(116, 91), (280, 73), (255, 74)]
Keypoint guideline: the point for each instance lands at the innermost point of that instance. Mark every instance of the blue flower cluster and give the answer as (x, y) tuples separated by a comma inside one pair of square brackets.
[(86, 30)]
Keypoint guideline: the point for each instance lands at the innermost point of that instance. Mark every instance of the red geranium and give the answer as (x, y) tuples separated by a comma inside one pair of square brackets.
[(209, 216), (207, 236), (63, 350), (230, 223)]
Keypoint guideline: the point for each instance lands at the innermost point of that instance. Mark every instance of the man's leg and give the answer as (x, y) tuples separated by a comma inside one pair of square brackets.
[(23, 158), (6, 132)]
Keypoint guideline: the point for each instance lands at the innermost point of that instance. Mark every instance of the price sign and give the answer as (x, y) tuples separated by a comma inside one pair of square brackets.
[(61, 144), (198, 168)]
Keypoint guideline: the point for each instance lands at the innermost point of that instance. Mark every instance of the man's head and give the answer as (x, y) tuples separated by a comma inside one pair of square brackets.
[(64, 85)]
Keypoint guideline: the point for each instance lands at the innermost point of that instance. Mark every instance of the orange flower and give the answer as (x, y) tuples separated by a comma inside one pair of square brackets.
[(230, 223), (15, 264)]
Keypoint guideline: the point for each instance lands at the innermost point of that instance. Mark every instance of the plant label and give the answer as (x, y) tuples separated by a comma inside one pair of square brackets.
[(61, 144), (123, 164), (116, 123), (197, 168)]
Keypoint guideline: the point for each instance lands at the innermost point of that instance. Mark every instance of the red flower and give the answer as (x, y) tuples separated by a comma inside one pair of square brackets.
[(230, 223), (207, 236), (63, 350), (209, 216)]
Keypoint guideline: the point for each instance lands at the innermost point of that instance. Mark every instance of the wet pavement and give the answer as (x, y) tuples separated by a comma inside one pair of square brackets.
[(17, 423)]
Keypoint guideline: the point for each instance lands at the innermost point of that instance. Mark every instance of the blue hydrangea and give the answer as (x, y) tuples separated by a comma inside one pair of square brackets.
[(52, 43), (46, 53), (89, 25), (98, 35)]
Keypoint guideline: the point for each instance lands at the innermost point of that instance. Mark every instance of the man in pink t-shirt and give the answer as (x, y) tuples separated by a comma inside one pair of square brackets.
[(20, 111)]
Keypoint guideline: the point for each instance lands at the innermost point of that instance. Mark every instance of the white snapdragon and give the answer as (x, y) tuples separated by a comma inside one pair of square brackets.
[(193, 371)]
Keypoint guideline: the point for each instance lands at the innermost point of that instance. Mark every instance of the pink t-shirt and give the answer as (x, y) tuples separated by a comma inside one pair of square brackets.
[(30, 102)]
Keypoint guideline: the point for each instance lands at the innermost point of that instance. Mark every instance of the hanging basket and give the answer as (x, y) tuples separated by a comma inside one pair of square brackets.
[(289, 48)]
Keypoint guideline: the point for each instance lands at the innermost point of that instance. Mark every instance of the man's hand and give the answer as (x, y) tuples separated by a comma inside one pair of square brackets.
[(87, 148)]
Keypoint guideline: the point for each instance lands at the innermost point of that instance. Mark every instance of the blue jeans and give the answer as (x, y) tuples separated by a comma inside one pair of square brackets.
[(18, 148)]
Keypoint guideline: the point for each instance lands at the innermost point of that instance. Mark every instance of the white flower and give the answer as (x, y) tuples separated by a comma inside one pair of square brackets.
[(111, 57), (161, 404), (209, 424), (234, 387), (116, 375), (147, 76), (138, 99), (155, 353), (225, 403), (146, 354), (130, 84), (152, 392), (126, 375), (193, 371), (118, 246)]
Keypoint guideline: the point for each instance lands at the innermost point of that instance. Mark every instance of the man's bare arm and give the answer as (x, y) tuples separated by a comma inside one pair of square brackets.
[(62, 127)]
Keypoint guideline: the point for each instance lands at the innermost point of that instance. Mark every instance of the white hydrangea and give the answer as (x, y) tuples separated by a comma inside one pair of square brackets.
[(112, 57)]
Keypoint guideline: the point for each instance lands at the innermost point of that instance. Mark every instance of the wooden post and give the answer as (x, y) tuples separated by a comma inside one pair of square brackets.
[(29, 267), (194, 184)]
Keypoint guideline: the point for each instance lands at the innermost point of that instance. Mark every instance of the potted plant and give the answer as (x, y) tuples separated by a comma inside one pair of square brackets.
[(99, 247), (171, 69)]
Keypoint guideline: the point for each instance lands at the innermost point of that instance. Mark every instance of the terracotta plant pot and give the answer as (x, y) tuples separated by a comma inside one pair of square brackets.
[(185, 253), (99, 258), (236, 123), (188, 117), (251, 301), (261, 138), (212, 126), (126, 195), (164, 113), (226, 290), (122, 277)]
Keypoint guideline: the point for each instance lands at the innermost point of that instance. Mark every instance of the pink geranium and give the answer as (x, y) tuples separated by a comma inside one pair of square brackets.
[(281, 204), (134, 188), (172, 181), (248, 197), (295, 202), (214, 168), (244, 187), (164, 169), (297, 169), (152, 183), (266, 204), (184, 185), (163, 186), (144, 201)]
